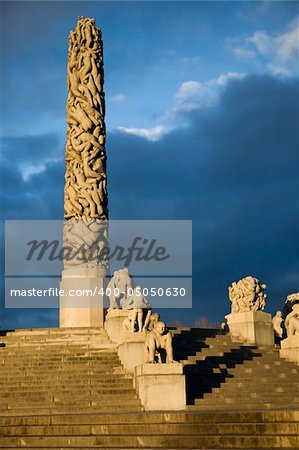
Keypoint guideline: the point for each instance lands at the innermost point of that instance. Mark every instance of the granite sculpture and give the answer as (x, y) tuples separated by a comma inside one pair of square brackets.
[(119, 287), (85, 187), (159, 341), (292, 321), (277, 323), (247, 295), (85, 193)]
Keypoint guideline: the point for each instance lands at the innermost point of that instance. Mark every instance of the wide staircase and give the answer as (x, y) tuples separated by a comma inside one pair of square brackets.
[(227, 374), (66, 389)]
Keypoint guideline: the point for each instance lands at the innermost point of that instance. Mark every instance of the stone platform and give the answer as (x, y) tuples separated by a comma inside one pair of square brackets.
[(66, 388)]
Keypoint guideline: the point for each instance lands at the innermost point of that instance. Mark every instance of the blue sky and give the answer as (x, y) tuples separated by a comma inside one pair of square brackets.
[(202, 118)]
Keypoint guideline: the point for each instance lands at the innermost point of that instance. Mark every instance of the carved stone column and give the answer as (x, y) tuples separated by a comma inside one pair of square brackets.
[(85, 194)]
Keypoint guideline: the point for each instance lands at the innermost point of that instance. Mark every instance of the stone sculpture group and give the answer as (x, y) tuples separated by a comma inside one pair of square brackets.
[(85, 186), (124, 295), (247, 295), (85, 192), (290, 320)]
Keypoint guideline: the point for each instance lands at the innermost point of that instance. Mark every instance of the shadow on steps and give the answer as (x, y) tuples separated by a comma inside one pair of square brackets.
[(209, 373), (186, 342), (4, 333)]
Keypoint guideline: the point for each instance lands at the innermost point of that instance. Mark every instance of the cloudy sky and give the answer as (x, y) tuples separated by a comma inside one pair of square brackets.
[(202, 119)]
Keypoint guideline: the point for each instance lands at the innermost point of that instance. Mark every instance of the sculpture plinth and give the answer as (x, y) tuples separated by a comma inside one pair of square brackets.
[(247, 320), (254, 327), (290, 348), (290, 345), (161, 387), (85, 194)]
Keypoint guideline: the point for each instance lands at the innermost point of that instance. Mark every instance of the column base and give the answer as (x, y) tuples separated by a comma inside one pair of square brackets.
[(254, 327), (76, 309)]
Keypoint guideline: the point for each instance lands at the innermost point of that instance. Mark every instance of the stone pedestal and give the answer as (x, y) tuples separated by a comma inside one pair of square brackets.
[(131, 350), (254, 327), (114, 323), (290, 348), (161, 387), (82, 304)]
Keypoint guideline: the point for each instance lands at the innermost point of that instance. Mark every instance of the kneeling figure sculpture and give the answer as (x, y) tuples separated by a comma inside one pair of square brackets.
[(158, 341)]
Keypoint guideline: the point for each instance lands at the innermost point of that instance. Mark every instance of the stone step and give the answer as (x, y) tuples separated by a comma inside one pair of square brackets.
[(80, 382), (41, 399), (67, 392), (64, 346), (49, 338), (256, 390), (215, 429), (34, 347), (91, 380), (256, 372), (269, 363), (113, 359), (65, 375), (49, 331), (250, 397), (245, 378), (63, 352), (54, 338), (264, 378), (66, 351), (42, 337), (155, 417), (146, 441), (97, 385), (108, 364), (222, 398), (67, 346), (63, 366), (249, 406), (62, 358), (62, 409), (263, 382)]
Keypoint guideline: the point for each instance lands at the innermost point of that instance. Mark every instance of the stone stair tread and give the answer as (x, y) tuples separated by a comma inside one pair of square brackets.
[(146, 441), (151, 429)]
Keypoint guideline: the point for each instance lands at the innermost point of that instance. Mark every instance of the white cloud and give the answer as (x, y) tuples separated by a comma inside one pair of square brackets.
[(29, 170), (280, 50), (151, 134), (284, 47), (224, 78), (191, 96), (243, 52), (188, 90), (262, 42), (288, 43), (119, 98), (279, 70)]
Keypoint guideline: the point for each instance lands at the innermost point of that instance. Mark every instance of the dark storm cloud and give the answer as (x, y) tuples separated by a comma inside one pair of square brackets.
[(31, 149), (39, 196), (233, 171)]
